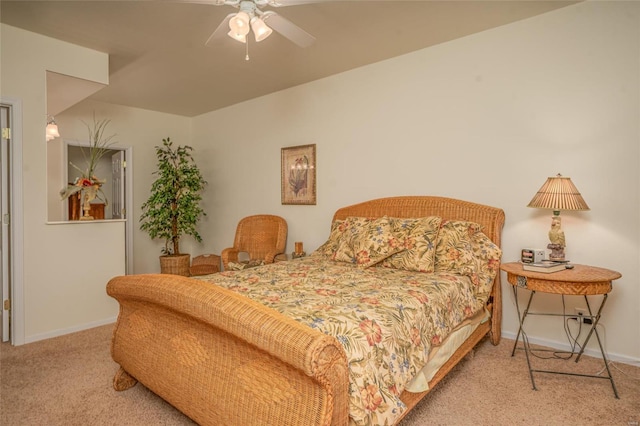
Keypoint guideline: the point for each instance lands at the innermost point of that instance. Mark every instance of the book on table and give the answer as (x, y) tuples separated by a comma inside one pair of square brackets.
[(544, 267)]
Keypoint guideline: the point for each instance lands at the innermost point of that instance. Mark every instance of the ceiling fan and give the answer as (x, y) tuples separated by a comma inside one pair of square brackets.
[(251, 17)]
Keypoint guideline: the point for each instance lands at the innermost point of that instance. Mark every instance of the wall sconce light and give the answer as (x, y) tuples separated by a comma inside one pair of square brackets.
[(51, 131), (558, 193)]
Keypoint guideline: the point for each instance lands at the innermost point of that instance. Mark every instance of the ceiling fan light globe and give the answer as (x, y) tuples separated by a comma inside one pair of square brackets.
[(242, 38), (240, 23), (260, 29)]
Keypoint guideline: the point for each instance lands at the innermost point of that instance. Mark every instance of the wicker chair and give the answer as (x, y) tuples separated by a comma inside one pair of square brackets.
[(262, 237)]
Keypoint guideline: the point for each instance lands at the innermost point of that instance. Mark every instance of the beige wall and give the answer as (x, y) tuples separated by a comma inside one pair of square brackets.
[(65, 267), (485, 118)]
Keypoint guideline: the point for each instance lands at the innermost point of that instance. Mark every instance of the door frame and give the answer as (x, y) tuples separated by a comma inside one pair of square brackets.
[(5, 221), (16, 221)]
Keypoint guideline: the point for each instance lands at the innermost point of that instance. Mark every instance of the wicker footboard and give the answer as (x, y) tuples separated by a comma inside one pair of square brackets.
[(223, 359)]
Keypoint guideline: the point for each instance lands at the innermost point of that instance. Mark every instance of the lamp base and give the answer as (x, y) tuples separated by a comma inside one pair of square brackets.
[(557, 252)]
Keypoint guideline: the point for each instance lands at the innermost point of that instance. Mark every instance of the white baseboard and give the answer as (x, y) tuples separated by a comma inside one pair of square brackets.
[(63, 331), (563, 346), (506, 334)]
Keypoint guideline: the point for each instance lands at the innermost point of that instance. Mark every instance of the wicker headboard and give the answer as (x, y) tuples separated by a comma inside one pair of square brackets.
[(490, 218)]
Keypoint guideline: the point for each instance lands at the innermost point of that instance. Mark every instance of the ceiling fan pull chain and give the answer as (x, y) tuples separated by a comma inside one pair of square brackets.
[(246, 58)]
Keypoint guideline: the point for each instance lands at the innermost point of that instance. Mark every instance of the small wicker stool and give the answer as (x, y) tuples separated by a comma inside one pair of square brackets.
[(205, 264)]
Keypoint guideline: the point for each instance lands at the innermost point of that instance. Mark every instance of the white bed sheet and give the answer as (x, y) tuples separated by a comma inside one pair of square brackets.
[(440, 354)]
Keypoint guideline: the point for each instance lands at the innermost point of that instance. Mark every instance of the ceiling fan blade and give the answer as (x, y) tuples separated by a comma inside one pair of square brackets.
[(209, 2), (288, 29), (221, 30), (283, 3)]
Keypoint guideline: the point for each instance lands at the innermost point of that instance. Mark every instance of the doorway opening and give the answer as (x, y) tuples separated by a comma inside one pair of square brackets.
[(5, 249), (11, 222)]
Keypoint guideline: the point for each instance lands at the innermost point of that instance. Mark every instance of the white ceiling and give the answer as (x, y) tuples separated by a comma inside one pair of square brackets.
[(159, 61)]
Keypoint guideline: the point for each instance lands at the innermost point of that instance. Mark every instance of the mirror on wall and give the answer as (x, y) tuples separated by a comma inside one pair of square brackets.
[(109, 202)]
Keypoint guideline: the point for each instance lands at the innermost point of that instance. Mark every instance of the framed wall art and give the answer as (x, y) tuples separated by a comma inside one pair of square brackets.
[(298, 174)]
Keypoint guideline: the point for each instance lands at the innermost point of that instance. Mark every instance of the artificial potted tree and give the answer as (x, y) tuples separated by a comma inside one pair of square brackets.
[(173, 208)]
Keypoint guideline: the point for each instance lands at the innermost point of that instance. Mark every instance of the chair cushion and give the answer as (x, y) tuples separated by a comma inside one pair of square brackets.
[(239, 266)]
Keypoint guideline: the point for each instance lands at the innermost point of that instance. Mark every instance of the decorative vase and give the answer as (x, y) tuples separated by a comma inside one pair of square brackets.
[(89, 194)]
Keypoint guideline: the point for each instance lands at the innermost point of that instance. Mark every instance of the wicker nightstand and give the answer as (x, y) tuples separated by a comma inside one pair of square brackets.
[(582, 280)]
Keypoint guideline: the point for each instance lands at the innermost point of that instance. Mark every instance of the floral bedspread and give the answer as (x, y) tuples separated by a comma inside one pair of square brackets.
[(386, 319)]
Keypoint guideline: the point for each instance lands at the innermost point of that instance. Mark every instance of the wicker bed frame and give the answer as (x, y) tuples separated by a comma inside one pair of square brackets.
[(221, 358)]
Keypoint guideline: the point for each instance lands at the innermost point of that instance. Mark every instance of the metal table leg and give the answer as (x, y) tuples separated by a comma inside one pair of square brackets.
[(593, 330), (525, 344), (520, 317)]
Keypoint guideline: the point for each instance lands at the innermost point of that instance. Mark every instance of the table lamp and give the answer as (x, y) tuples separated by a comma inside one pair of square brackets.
[(558, 193)]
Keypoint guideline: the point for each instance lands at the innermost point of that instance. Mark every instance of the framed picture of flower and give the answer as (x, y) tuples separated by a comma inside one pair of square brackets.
[(298, 174)]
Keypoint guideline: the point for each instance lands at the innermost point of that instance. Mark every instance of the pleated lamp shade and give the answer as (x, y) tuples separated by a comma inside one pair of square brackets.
[(558, 193)]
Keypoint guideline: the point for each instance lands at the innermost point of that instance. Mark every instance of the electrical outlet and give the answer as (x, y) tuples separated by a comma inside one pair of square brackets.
[(583, 316)]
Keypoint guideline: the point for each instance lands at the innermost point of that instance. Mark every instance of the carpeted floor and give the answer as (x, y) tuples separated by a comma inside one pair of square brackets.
[(67, 381)]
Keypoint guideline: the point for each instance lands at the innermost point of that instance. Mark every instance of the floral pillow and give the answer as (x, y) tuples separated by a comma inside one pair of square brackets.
[(347, 230), (418, 236), (454, 249), (366, 242), (464, 249), (487, 257), (331, 245)]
